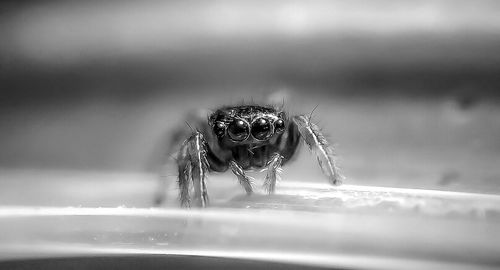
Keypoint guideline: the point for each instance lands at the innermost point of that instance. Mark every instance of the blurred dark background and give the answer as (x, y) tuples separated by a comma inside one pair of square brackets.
[(408, 89)]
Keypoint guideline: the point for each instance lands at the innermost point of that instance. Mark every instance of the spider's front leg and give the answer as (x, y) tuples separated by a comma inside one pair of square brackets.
[(312, 136), (193, 166)]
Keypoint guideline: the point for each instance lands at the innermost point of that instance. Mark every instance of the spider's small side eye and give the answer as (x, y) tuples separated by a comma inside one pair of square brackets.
[(279, 125), (219, 129), (261, 128), (238, 130)]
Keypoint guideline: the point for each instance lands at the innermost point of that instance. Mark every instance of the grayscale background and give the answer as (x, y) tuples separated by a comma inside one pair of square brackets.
[(407, 90)]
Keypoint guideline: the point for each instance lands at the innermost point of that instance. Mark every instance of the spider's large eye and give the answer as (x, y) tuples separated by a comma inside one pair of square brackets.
[(219, 129), (261, 129), (279, 125), (238, 130)]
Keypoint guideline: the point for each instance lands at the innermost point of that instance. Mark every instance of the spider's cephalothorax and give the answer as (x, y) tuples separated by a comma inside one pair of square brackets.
[(244, 137)]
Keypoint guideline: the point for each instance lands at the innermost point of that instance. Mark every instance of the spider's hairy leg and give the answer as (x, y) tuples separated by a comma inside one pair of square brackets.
[(184, 184), (244, 180), (163, 176), (184, 168), (273, 171), (193, 165), (176, 151), (312, 136)]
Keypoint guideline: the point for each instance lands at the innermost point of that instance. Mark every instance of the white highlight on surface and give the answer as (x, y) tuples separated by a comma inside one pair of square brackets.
[(432, 201), (407, 191)]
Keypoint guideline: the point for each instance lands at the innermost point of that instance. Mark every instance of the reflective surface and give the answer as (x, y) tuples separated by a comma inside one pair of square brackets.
[(303, 224)]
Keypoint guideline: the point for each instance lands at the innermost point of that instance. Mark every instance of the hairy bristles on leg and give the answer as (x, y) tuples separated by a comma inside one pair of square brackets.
[(199, 163), (192, 167), (245, 181), (312, 136), (184, 174), (273, 173), (184, 185)]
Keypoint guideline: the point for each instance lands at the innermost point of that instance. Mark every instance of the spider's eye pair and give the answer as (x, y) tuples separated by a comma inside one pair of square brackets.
[(239, 129)]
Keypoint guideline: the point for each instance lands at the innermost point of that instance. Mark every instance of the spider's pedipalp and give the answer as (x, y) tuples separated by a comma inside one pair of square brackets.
[(312, 136), (273, 172), (244, 180)]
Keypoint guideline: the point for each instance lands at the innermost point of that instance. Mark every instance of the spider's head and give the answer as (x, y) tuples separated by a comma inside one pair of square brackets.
[(247, 124)]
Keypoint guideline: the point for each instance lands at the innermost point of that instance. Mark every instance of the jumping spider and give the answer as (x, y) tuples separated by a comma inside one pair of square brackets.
[(244, 137)]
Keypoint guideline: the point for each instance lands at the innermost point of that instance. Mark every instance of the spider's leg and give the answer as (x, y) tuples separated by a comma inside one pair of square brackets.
[(273, 171), (162, 160), (184, 167), (193, 166), (244, 180), (197, 149), (318, 144)]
